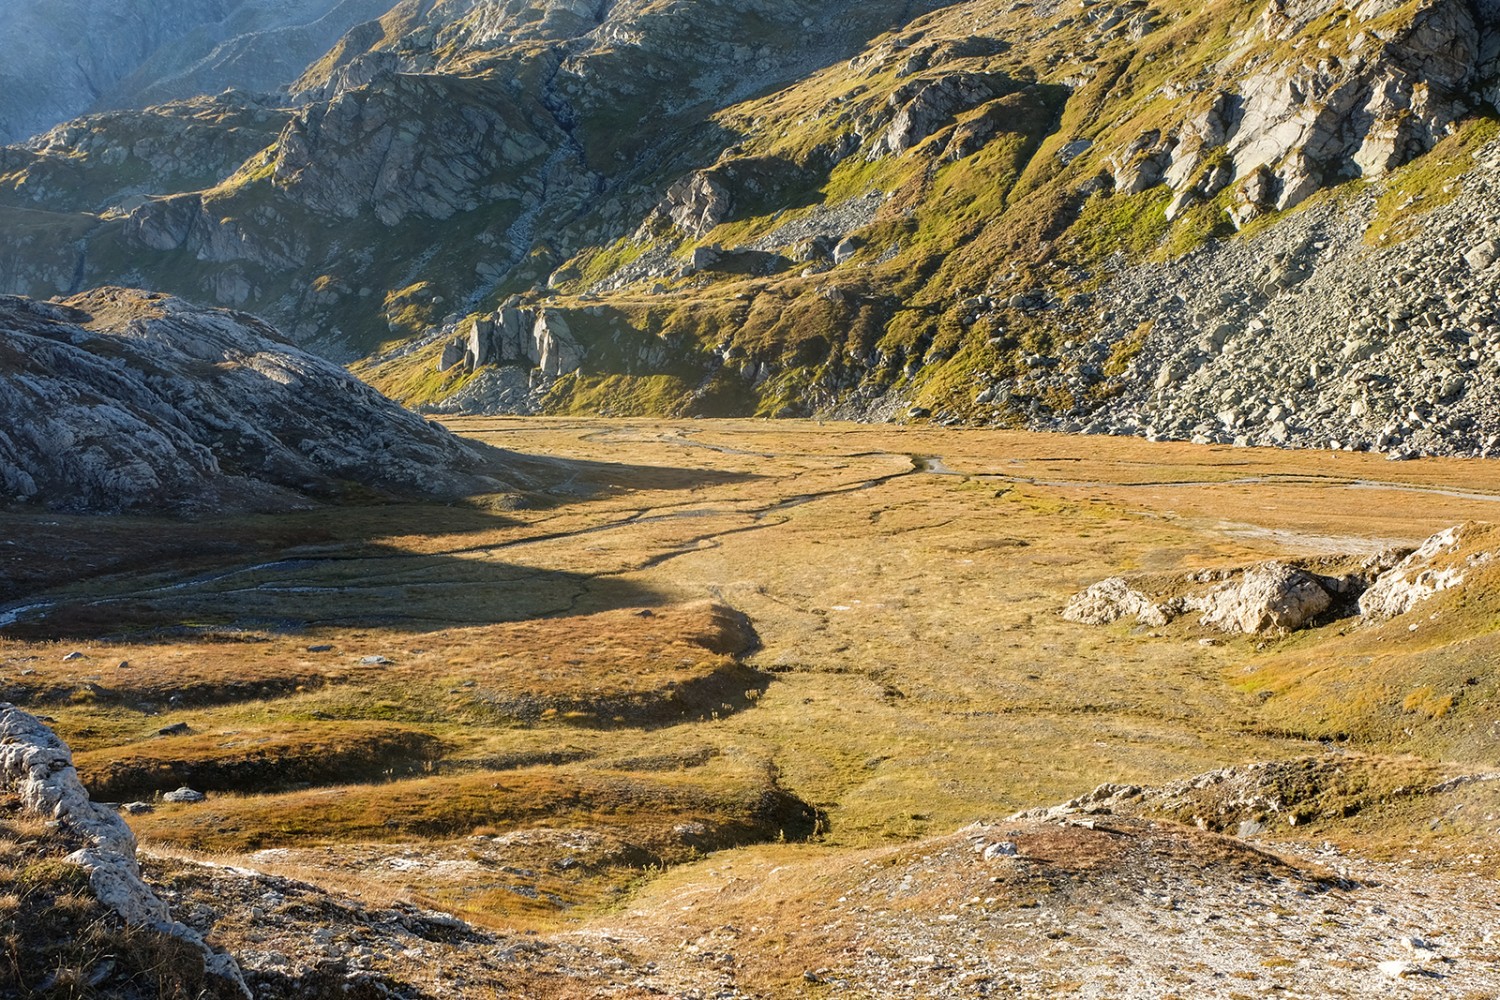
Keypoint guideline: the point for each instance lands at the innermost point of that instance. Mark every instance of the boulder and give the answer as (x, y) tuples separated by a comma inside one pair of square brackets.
[(1110, 600), (556, 352), (1270, 598), (1483, 255), (697, 203)]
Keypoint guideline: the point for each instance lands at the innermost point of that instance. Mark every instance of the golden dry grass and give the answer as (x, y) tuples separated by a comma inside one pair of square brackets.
[(912, 673)]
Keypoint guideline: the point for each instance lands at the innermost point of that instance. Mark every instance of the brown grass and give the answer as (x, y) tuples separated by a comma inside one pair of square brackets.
[(260, 759), (734, 805), (907, 672)]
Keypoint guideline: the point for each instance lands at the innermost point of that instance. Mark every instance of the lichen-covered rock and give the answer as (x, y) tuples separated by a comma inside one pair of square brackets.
[(38, 768), (1441, 563), (122, 399)]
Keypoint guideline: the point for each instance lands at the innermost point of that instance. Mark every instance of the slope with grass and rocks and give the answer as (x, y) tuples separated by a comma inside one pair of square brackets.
[(1122, 892), (1235, 222)]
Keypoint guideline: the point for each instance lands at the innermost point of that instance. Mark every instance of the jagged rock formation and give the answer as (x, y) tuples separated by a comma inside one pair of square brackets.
[(975, 211), (514, 335), (37, 766), (120, 399)]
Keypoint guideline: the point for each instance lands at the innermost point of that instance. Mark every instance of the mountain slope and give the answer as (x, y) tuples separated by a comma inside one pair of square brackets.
[(66, 57), (1085, 216)]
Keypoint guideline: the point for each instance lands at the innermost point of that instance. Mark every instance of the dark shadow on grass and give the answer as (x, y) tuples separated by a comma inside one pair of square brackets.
[(71, 577)]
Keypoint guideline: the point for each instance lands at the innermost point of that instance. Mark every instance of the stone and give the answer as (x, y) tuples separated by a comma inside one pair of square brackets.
[(71, 657), (138, 808), (184, 794), (1111, 599), (557, 352), (1440, 563), (704, 257), (924, 106), (698, 203), (1003, 849), (845, 249), (1270, 598), (453, 354), (1073, 149), (1483, 255), (374, 661), (1398, 968), (176, 729)]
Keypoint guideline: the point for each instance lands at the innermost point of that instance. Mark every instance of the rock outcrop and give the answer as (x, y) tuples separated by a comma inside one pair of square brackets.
[(1278, 597), (518, 336), (38, 767), (1111, 599), (1386, 93), (120, 399), (1444, 561), (1272, 597)]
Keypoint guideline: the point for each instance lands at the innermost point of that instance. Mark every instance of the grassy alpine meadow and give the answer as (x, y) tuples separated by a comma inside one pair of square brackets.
[(702, 636)]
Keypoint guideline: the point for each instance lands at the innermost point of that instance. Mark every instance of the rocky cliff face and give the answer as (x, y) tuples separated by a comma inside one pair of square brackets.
[(1095, 216), (118, 399)]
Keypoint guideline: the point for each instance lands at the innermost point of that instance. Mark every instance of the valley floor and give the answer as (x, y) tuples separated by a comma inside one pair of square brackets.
[(716, 712)]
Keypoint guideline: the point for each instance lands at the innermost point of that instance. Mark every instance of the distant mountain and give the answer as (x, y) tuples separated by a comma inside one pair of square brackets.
[(64, 58)]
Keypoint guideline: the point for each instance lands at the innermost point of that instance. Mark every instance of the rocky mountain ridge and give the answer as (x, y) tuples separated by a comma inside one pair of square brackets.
[(69, 58), (1153, 218)]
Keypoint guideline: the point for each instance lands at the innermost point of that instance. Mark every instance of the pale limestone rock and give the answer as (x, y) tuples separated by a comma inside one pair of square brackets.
[(1272, 597), (1441, 563), (556, 352), (1110, 600), (39, 768)]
